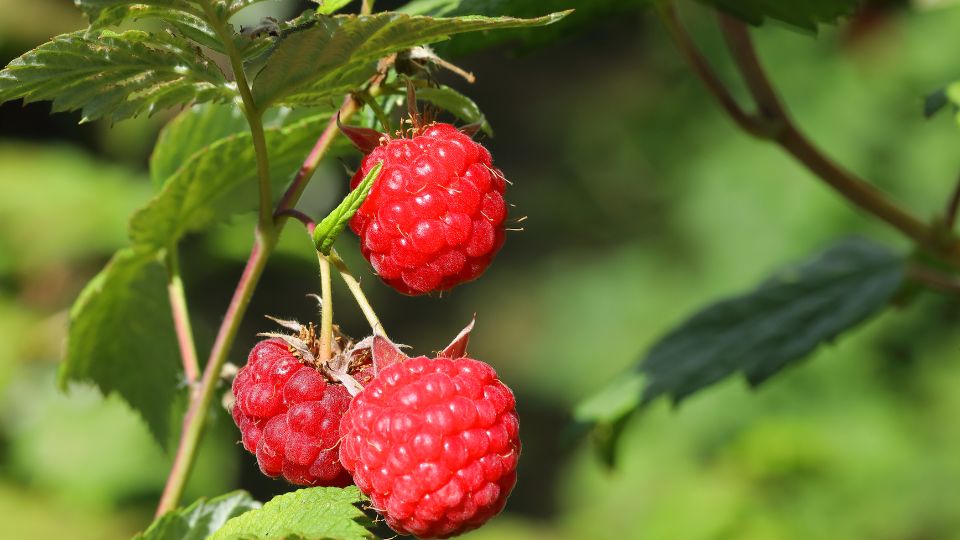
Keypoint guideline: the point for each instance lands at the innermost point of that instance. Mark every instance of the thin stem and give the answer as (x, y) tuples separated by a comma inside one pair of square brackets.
[(366, 7), (293, 193), (700, 65), (357, 292), (326, 309), (934, 279), (381, 115), (776, 125), (194, 419), (253, 114), (181, 317)]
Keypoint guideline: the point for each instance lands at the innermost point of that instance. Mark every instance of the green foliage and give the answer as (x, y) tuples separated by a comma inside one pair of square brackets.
[(456, 103), (808, 14), (114, 75), (311, 63), (585, 15), (331, 226), (219, 180), (758, 334), (191, 132), (122, 339), (937, 101), (201, 519), (184, 16), (329, 7), (310, 514)]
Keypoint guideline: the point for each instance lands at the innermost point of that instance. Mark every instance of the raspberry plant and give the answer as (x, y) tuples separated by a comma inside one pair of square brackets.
[(431, 444)]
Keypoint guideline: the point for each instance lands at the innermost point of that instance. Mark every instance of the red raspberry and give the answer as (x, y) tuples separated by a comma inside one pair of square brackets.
[(289, 416), (434, 444), (435, 216)]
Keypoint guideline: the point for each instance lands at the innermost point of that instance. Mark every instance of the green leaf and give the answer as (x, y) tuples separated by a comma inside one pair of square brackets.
[(808, 14), (184, 16), (457, 104), (587, 14), (122, 339), (781, 321), (220, 179), (326, 232), (308, 514), (192, 131), (329, 51), (329, 7), (117, 75), (199, 520)]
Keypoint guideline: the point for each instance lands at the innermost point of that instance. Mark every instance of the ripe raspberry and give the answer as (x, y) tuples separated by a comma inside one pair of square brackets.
[(289, 416), (435, 216), (434, 443)]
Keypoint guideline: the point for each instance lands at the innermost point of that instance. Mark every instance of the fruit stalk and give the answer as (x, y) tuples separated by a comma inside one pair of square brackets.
[(181, 317), (326, 309)]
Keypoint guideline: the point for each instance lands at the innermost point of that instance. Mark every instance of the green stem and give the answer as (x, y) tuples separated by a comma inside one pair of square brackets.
[(253, 114), (366, 7), (326, 310), (195, 418), (357, 292), (772, 122), (181, 317)]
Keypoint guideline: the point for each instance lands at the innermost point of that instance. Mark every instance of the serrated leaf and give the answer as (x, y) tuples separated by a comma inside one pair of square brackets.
[(329, 7), (325, 49), (191, 131), (309, 514), (457, 104), (587, 14), (220, 180), (757, 334), (784, 319), (327, 231), (199, 520), (122, 339), (807, 14), (116, 75), (185, 17)]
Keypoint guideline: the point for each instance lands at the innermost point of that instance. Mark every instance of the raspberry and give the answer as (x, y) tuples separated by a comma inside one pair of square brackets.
[(289, 415), (433, 443), (435, 216)]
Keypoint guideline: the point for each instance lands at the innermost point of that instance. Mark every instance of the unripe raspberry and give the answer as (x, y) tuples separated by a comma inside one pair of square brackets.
[(289, 415), (435, 216), (434, 444)]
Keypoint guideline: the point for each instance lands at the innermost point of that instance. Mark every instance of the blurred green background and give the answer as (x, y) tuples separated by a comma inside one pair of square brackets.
[(644, 203)]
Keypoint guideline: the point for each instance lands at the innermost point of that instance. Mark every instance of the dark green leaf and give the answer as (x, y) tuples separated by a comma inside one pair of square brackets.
[(122, 339), (309, 514), (327, 231), (781, 321), (758, 334), (116, 75), (457, 104), (587, 14), (328, 51), (199, 520), (220, 180), (807, 14)]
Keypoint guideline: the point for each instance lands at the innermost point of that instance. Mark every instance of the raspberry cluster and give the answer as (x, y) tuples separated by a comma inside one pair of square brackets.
[(289, 416), (435, 216), (434, 443)]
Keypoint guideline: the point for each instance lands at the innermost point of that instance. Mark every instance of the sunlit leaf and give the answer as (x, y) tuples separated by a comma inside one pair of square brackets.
[(309, 514), (199, 520), (115, 75)]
